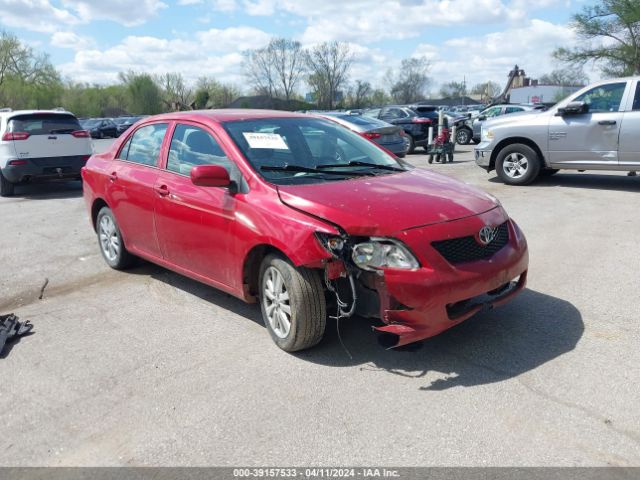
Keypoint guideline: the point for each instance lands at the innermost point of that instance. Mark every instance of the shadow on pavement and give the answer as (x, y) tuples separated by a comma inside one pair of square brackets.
[(620, 183), (493, 346), (497, 345), (48, 190)]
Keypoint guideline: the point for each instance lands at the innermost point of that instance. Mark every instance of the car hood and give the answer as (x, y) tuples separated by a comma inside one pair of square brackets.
[(388, 204), (515, 117)]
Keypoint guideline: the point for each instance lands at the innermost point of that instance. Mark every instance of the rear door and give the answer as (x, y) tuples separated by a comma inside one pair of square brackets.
[(48, 135), (132, 187), (629, 152), (589, 140), (195, 224)]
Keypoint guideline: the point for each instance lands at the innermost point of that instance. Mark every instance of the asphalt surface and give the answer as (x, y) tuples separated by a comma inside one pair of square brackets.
[(150, 368)]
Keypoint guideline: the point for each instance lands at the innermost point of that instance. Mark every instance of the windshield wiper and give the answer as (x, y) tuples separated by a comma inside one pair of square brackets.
[(299, 168), (357, 163)]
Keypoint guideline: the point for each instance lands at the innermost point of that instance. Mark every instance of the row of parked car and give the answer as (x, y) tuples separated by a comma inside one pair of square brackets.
[(108, 127)]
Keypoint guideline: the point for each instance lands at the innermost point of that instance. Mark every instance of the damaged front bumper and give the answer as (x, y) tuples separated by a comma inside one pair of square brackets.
[(424, 302)]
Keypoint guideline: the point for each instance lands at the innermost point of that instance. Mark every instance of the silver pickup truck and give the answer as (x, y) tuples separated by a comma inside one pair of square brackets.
[(596, 128)]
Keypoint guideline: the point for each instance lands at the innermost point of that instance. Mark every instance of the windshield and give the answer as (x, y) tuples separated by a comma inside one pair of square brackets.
[(43, 123), (287, 151), (91, 123)]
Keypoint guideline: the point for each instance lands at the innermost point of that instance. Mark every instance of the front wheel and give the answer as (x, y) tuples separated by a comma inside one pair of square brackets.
[(412, 144), (517, 164), (292, 303), (110, 239)]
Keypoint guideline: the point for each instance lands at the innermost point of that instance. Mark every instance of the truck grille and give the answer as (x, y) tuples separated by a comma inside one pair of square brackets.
[(467, 249)]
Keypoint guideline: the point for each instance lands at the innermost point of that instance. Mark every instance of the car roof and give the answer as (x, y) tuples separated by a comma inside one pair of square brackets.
[(226, 115), (14, 113)]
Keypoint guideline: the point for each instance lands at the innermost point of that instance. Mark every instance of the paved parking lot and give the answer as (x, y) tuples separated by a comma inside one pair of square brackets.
[(151, 368)]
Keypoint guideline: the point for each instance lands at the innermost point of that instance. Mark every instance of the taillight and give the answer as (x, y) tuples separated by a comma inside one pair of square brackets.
[(15, 136), (17, 162), (80, 134), (420, 120), (371, 135)]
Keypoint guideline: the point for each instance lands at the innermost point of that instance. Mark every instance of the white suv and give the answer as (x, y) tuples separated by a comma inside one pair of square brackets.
[(40, 145)]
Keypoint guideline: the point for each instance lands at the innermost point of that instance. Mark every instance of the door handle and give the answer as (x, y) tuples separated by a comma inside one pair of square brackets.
[(162, 190), (113, 177), (607, 122)]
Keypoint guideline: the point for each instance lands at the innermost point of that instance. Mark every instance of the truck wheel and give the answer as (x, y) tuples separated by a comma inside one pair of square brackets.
[(6, 187), (292, 303), (463, 136), (517, 164), (110, 239)]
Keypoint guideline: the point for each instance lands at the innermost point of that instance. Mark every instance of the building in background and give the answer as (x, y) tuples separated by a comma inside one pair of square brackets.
[(533, 92)]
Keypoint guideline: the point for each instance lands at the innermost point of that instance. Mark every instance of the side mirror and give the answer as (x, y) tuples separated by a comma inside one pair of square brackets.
[(210, 176), (574, 108), (482, 118)]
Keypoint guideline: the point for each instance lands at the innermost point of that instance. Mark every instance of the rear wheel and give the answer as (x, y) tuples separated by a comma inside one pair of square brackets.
[(463, 136), (292, 303), (6, 187), (517, 164), (112, 247), (412, 144)]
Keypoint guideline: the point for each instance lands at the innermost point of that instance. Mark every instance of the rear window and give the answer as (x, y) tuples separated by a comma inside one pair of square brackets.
[(43, 123), (362, 121)]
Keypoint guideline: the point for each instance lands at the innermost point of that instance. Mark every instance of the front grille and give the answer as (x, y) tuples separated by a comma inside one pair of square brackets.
[(468, 249)]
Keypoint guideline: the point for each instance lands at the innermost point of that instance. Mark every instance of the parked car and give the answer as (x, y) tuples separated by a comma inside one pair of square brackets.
[(596, 128), (416, 127), (391, 137), (100, 127), (260, 205), (124, 123), (40, 145), (492, 112)]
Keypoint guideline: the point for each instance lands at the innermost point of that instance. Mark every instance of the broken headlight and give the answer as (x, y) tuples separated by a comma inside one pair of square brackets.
[(380, 253)]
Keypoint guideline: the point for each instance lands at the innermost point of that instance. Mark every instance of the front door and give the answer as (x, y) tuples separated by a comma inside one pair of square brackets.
[(629, 155), (195, 224), (589, 140)]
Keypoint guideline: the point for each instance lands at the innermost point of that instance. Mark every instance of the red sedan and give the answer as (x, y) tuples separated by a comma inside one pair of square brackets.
[(305, 217)]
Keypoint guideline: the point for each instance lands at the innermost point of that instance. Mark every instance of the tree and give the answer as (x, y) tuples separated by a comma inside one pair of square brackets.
[(275, 70), (453, 89), (329, 65), (565, 77), (362, 94), (379, 97), (144, 95), (411, 82), (210, 93), (486, 90), (610, 37), (177, 96)]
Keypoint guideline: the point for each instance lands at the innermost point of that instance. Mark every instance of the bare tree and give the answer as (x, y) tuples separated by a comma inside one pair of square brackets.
[(176, 93), (362, 94), (410, 83), (288, 63), (20, 61), (328, 65)]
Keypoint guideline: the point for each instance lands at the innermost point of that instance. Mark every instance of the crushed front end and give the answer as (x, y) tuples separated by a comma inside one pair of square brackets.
[(442, 274)]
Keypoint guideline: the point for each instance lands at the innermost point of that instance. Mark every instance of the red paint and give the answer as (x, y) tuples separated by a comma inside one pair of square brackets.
[(208, 232)]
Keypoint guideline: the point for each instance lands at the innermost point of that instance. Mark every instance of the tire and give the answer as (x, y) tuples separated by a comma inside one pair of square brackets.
[(547, 172), (101, 135), (517, 164), (110, 241), (412, 144), (464, 136), (6, 187), (305, 301), (450, 156)]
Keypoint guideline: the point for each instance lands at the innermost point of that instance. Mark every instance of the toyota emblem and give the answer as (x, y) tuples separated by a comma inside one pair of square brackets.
[(487, 234)]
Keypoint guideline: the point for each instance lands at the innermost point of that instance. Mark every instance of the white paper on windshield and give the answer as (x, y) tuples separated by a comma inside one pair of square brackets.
[(265, 140)]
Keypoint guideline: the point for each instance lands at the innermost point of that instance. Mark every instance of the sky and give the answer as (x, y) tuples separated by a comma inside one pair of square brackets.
[(464, 40)]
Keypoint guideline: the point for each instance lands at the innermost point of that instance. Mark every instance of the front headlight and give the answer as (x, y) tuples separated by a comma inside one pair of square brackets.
[(486, 134), (380, 253)]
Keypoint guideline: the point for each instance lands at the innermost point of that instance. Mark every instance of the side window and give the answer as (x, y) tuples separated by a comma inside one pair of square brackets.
[(191, 146), (636, 98), (604, 98), (492, 112), (513, 110), (392, 114), (144, 146)]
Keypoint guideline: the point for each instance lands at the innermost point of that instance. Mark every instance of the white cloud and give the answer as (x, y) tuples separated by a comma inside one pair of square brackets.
[(127, 12), (34, 15), (71, 40), (213, 52)]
